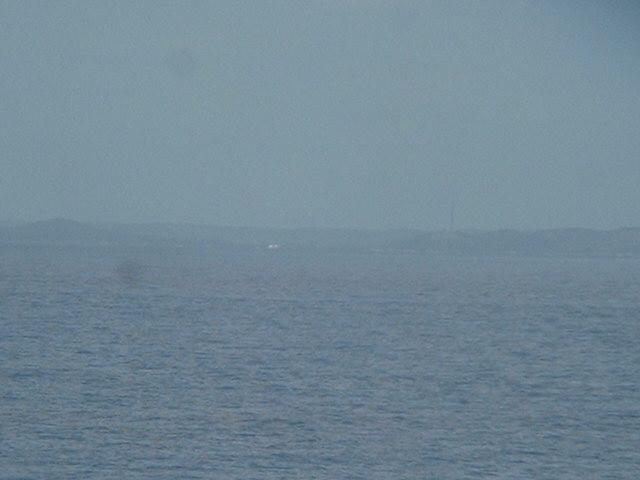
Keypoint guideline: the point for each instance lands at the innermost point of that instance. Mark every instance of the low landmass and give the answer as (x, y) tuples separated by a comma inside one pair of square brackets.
[(563, 241), (567, 241)]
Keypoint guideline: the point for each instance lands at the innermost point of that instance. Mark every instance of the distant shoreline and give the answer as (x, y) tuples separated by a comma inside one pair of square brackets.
[(552, 242)]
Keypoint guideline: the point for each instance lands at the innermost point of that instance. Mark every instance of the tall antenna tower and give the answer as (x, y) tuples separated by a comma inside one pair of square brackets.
[(452, 215)]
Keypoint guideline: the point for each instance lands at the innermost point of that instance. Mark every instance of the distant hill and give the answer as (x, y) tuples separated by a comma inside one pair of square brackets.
[(69, 232), (569, 241), (57, 230), (574, 241)]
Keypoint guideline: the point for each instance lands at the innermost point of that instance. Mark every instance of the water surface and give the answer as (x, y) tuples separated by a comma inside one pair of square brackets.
[(266, 365)]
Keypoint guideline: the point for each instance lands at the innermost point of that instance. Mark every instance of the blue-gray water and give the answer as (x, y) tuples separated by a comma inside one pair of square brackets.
[(270, 365)]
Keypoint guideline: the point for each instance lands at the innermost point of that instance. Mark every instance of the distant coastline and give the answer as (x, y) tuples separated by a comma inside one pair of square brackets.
[(564, 241)]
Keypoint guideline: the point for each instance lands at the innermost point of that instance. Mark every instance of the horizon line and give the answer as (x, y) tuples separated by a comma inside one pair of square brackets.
[(15, 223)]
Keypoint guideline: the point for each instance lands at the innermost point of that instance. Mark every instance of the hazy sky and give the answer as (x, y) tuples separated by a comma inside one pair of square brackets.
[(345, 113)]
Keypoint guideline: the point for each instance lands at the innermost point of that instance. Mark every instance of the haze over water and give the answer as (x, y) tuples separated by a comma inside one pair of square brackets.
[(137, 343)]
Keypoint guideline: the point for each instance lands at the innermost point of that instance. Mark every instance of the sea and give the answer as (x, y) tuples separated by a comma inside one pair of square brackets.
[(184, 363)]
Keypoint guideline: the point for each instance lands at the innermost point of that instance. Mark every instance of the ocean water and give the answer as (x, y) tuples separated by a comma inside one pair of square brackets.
[(274, 365)]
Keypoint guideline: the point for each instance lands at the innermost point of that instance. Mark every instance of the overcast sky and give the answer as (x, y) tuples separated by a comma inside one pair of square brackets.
[(376, 114)]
